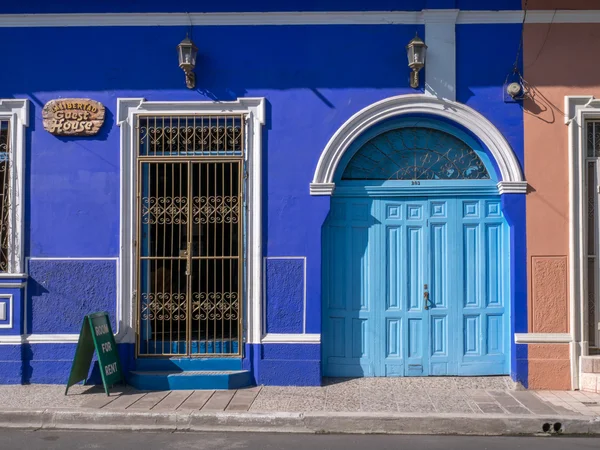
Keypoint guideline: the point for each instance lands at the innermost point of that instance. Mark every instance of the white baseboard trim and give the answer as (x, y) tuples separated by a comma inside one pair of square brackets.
[(289, 338), (11, 340), (12, 285), (42, 339), (271, 338), (543, 338), (39, 339)]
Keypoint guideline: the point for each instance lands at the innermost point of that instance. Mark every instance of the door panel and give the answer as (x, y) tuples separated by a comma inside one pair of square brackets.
[(484, 341), (379, 267), (348, 314), (441, 273), (164, 215), (415, 255), (400, 227)]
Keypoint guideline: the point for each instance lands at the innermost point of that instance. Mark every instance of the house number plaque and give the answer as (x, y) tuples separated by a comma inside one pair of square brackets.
[(73, 117)]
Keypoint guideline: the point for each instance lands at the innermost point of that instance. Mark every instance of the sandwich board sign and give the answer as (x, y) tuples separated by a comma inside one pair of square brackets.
[(96, 335)]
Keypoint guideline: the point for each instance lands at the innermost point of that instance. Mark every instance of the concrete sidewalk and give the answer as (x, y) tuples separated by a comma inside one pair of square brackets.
[(487, 405)]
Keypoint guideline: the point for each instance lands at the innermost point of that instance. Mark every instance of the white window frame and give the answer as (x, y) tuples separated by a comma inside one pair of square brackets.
[(596, 230), (579, 110), (16, 111), (128, 110)]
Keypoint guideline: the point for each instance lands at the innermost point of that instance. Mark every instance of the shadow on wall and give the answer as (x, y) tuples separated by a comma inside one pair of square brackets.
[(538, 105), (553, 68), (144, 58), (26, 369)]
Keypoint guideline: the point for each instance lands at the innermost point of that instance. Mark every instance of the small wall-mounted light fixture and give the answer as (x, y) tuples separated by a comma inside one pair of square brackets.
[(514, 90), (416, 51), (187, 52)]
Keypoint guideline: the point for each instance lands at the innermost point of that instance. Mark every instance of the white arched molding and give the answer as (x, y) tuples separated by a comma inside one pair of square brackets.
[(512, 181)]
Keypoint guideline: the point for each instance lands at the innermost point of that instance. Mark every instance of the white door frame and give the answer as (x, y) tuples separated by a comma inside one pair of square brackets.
[(578, 110), (128, 109)]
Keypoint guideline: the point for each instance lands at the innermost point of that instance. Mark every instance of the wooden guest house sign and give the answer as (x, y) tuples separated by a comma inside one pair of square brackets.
[(73, 117)]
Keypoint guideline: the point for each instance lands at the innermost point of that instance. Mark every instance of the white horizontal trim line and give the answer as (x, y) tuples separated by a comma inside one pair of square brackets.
[(12, 285), (210, 19), (512, 187), (285, 257), (139, 105), (417, 191), (294, 18), (76, 258), (289, 338), (321, 188), (12, 275), (41, 339), (12, 339), (51, 338), (542, 338)]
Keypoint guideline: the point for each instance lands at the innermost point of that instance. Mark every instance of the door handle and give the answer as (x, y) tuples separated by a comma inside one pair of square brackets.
[(188, 259), (426, 300)]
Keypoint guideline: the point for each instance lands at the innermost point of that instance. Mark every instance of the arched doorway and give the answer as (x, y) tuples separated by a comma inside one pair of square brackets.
[(415, 255)]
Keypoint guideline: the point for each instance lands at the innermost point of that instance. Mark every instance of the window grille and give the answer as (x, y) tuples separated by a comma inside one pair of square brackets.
[(4, 193), (591, 183), (415, 153)]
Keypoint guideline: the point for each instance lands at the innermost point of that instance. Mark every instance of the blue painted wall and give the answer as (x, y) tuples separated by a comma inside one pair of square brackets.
[(61, 293), (284, 291), (49, 363), (313, 77)]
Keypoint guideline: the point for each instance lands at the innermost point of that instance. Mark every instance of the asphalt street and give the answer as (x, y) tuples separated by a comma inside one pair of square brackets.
[(47, 440)]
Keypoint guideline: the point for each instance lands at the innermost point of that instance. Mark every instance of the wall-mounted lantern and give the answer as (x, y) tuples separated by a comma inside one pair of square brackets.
[(416, 50), (187, 52)]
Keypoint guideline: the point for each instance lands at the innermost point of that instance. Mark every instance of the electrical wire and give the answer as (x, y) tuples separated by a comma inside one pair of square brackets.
[(515, 68)]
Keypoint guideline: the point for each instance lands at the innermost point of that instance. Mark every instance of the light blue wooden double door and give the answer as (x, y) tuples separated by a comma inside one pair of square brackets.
[(415, 287)]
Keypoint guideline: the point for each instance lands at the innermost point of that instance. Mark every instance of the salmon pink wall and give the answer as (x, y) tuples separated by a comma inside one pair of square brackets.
[(557, 61)]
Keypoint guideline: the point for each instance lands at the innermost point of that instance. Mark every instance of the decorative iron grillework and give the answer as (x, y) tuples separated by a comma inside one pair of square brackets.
[(190, 236), (591, 183), (191, 135), (415, 153), (593, 139), (4, 194)]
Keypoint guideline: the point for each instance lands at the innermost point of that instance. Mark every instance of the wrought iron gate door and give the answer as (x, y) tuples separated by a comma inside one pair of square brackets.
[(189, 255)]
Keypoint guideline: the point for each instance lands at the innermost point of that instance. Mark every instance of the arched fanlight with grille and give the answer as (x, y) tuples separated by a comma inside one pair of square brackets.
[(415, 153)]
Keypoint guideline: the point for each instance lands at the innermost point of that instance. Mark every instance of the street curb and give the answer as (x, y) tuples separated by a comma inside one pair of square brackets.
[(313, 422)]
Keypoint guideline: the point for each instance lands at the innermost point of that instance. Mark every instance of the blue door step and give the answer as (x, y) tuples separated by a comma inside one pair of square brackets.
[(157, 374), (183, 364), (189, 379)]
